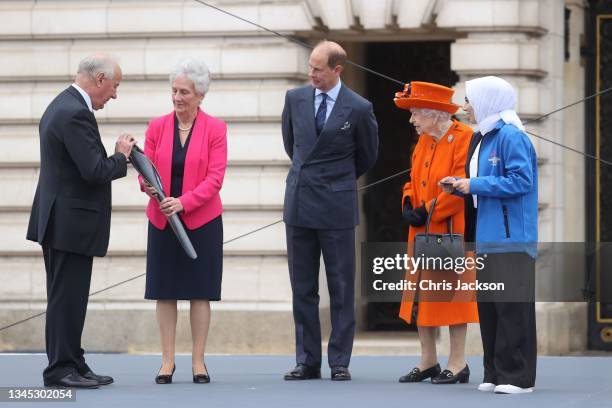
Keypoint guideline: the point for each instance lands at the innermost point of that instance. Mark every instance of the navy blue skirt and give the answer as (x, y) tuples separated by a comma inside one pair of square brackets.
[(172, 275)]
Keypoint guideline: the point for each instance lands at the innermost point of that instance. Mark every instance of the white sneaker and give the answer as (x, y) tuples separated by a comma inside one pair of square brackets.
[(486, 387), (511, 389)]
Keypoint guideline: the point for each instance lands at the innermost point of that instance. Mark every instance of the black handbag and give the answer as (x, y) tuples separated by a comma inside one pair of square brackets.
[(434, 246)]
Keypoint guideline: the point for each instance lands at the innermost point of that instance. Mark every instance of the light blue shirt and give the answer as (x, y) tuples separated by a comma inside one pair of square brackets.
[(332, 96)]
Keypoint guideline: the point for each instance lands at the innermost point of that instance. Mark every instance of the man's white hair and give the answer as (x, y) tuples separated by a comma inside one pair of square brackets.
[(99, 63), (195, 70)]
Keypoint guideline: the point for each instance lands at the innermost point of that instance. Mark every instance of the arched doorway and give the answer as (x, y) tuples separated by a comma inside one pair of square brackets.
[(407, 61)]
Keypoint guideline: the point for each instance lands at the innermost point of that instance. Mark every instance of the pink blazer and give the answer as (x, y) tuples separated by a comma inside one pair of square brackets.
[(205, 165)]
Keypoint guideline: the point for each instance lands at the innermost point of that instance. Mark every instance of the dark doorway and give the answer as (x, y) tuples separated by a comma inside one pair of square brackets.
[(406, 61), (598, 114)]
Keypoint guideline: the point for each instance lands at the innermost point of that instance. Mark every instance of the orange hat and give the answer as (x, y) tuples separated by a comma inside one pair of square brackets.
[(426, 95)]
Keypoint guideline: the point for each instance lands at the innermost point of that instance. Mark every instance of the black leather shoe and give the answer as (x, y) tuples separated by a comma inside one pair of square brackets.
[(340, 373), (303, 372), (101, 379), (201, 378), (73, 380), (416, 375), (165, 378), (447, 377)]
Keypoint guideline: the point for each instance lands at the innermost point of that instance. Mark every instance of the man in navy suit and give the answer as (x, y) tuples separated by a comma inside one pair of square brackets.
[(71, 212), (331, 135)]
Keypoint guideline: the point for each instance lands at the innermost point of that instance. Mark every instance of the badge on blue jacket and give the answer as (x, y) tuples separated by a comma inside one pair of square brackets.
[(493, 159)]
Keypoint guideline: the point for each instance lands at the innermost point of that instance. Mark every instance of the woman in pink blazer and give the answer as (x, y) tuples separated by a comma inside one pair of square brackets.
[(189, 149)]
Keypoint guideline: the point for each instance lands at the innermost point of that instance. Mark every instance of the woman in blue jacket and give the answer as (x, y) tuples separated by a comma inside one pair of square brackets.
[(501, 207)]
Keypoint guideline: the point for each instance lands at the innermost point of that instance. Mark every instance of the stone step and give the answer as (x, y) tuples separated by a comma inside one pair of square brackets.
[(236, 328), (262, 328), (245, 278), (129, 233), (139, 101), (249, 142), (154, 58), (252, 186)]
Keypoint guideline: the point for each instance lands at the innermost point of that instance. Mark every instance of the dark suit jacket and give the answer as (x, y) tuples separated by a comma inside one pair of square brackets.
[(321, 187), (470, 211), (72, 206)]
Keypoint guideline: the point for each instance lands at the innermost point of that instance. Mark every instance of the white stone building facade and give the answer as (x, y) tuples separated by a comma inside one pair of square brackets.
[(42, 41)]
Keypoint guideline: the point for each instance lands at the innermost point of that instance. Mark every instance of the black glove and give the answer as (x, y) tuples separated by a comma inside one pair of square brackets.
[(407, 206), (416, 217)]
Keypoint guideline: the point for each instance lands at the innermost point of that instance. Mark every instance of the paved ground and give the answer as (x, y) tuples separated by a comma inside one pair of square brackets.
[(256, 381)]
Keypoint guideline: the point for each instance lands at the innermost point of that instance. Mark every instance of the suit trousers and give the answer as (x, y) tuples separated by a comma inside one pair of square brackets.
[(304, 248), (508, 329), (68, 282)]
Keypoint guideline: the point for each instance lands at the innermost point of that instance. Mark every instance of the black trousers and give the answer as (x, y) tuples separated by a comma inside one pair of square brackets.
[(508, 328), (304, 248), (68, 281)]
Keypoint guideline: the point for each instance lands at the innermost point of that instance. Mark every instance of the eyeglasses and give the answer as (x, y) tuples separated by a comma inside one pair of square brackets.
[(467, 100)]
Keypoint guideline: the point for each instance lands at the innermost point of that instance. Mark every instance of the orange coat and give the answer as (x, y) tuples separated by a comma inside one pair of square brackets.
[(432, 161)]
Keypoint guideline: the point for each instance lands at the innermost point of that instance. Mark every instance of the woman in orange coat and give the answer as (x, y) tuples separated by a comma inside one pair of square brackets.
[(441, 150)]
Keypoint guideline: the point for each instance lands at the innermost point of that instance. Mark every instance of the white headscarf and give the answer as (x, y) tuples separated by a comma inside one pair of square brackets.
[(492, 99)]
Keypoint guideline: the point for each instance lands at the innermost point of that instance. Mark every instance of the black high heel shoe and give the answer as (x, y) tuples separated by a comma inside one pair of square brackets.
[(416, 375), (202, 378), (165, 378), (447, 377)]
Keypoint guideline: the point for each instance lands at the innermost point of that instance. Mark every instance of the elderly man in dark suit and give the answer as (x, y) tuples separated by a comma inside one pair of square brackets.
[(71, 212), (331, 135)]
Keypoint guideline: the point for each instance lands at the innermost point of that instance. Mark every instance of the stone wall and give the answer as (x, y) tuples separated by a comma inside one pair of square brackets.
[(41, 43)]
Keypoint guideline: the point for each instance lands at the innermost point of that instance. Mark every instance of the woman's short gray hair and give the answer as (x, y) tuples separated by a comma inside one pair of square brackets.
[(195, 70), (440, 118), (95, 64)]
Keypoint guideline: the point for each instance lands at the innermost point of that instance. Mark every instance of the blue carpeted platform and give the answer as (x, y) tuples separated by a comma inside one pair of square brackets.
[(256, 381)]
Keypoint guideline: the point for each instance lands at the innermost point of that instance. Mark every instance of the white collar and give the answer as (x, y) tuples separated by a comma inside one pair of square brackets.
[(332, 93), (84, 95)]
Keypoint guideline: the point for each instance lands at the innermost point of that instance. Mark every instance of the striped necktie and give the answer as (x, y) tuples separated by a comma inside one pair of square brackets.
[(321, 114)]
